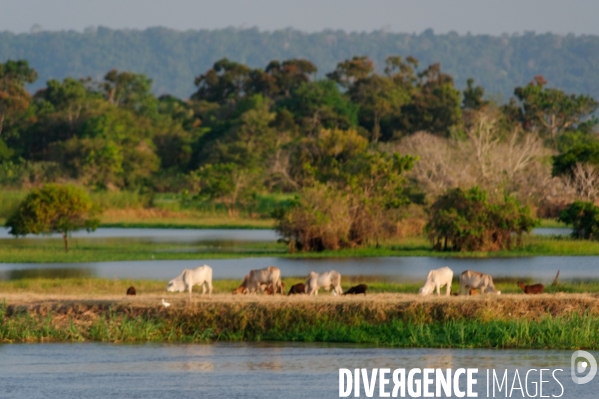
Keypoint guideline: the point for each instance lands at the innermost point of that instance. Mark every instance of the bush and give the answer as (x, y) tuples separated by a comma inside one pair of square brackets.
[(54, 209), (467, 221), (584, 219), (357, 203)]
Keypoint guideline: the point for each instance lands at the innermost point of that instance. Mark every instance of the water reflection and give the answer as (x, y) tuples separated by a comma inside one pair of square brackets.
[(51, 272), (169, 235), (399, 269), (238, 370)]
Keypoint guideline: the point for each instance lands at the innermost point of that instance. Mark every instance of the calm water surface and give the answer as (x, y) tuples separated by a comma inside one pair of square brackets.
[(542, 268), (73, 371), (168, 235)]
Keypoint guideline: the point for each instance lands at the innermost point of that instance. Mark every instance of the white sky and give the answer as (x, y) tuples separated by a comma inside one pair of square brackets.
[(463, 16)]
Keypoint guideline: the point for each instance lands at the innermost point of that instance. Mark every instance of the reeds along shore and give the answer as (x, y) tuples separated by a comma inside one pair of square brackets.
[(563, 321)]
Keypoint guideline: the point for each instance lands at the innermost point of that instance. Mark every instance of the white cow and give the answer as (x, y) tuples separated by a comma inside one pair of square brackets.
[(471, 279), (326, 280), (436, 279), (190, 277), (260, 279)]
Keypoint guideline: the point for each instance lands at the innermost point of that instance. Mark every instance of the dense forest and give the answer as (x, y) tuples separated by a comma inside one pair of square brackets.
[(173, 59), (360, 149)]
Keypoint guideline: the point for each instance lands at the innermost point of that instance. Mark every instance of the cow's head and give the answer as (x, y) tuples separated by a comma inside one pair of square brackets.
[(239, 290), (176, 285), (426, 289)]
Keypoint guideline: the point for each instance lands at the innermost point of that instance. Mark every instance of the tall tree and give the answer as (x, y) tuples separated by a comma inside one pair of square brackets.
[(551, 111), (226, 81), (54, 209), (129, 90), (13, 95), (349, 72)]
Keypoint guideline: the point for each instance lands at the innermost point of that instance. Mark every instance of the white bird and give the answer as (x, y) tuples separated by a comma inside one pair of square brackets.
[(165, 303)]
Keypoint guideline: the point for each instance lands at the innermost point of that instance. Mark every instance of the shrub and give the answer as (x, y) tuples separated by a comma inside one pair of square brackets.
[(54, 209), (462, 220), (357, 203), (584, 218)]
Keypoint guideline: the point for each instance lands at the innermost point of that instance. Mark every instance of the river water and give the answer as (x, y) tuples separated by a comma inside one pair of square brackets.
[(400, 269), (232, 370)]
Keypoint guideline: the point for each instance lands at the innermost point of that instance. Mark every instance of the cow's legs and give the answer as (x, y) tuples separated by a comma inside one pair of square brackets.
[(209, 283), (448, 289), (438, 289)]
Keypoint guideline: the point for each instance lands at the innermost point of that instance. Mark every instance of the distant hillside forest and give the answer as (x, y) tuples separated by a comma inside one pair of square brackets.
[(172, 59)]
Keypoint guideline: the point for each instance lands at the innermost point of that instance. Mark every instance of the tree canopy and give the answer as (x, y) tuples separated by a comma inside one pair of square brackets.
[(53, 209)]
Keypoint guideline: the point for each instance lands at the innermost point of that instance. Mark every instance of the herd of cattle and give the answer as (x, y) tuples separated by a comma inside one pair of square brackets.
[(268, 281)]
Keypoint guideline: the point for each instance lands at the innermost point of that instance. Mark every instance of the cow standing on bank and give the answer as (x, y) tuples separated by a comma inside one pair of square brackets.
[(327, 280), (437, 279), (259, 280), (482, 281), (190, 277)]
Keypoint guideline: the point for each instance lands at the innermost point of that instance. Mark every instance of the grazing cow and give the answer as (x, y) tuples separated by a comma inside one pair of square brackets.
[(270, 290), (532, 289), (358, 289), (296, 289), (326, 280), (470, 279), (436, 279), (260, 280), (131, 291), (242, 288), (190, 277)]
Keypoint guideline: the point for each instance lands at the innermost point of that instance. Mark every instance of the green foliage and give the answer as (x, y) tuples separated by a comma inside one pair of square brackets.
[(467, 221), (586, 152), (552, 112), (226, 183), (350, 197), (584, 219), (13, 95), (53, 209)]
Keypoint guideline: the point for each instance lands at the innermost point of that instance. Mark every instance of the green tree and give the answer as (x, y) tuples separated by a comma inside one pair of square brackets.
[(54, 209), (129, 90), (321, 104), (226, 183), (465, 220), (552, 112), (378, 97), (226, 81), (584, 219), (13, 95), (473, 96), (434, 106), (349, 72)]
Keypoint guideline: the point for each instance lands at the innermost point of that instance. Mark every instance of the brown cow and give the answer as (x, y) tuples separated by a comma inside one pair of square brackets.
[(358, 289), (260, 280), (242, 289), (270, 290), (131, 290), (532, 289), (299, 288)]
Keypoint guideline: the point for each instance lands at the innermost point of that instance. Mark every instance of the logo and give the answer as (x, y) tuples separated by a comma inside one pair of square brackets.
[(582, 361)]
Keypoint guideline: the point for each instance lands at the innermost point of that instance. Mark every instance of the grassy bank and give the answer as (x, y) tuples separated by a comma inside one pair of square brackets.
[(567, 322), (115, 249), (75, 282)]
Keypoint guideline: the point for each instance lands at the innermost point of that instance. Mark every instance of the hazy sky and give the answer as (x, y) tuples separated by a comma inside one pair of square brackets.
[(475, 16)]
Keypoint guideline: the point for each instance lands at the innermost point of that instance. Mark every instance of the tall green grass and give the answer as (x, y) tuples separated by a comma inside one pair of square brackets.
[(300, 324)]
